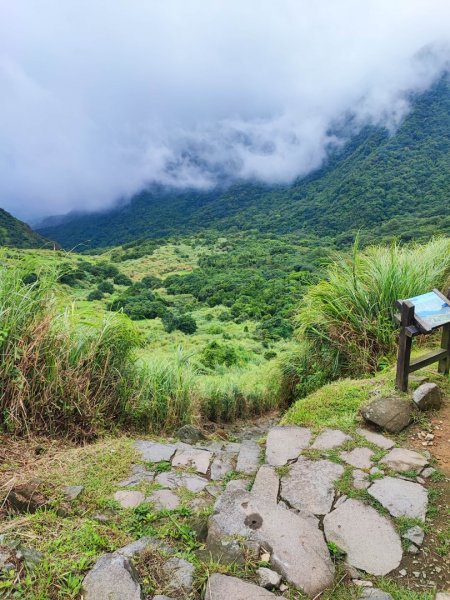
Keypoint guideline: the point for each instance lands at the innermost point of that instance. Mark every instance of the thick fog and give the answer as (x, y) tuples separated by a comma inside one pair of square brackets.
[(99, 99)]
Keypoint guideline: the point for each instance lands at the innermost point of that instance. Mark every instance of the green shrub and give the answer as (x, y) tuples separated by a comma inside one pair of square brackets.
[(106, 287), (95, 295), (216, 353), (184, 323), (122, 279)]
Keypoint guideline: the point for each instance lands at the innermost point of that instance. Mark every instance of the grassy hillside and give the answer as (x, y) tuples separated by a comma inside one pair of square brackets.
[(14, 233), (388, 186)]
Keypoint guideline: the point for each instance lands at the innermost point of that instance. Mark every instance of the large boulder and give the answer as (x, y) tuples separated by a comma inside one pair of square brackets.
[(428, 396), (190, 434), (111, 578), (298, 549), (392, 414), (369, 539)]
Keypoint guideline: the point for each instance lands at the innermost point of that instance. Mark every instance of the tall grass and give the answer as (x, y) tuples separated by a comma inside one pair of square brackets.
[(58, 375), (165, 393), (239, 394), (350, 313)]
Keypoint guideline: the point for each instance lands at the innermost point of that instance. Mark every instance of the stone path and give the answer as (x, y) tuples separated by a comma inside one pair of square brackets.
[(283, 505)]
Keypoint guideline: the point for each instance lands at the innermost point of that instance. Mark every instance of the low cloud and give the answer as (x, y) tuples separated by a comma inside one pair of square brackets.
[(99, 99)]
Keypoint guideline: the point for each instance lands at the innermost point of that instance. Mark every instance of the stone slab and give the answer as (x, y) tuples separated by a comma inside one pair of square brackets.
[(128, 499), (368, 538), (180, 574), (222, 464), (360, 480), (415, 535), (376, 438), (400, 459), (285, 444), (309, 485), (266, 484), (164, 499), (155, 452), (225, 587), (374, 594), (298, 550), (248, 458), (195, 458), (401, 498), (111, 578), (359, 458), (329, 439), (172, 481)]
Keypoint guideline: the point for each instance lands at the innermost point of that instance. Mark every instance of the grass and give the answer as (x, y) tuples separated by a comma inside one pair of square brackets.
[(335, 405), (350, 313)]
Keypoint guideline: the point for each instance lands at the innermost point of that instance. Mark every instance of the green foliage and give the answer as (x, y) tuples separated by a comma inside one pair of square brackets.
[(335, 405), (184, 323), (350, 314), (216, 353), (106, 287), (16, 234), (95, 295), (122, 279), (58, 374)]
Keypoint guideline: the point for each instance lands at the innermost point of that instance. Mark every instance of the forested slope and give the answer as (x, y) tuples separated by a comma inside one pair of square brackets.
[(384, 185), (16, 234)]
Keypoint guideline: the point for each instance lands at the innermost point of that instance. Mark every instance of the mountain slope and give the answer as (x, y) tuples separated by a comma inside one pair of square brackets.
[(385, 185), (16, 234)]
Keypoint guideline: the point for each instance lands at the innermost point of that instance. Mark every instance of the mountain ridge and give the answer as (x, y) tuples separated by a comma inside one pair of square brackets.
[(17, 234), (384, 185)]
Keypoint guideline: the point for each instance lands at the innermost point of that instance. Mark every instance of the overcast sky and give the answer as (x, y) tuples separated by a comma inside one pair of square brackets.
[(99, 98)]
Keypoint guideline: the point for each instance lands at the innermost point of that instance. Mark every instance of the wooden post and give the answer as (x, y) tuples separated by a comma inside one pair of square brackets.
[(404, 346), (444, 363)]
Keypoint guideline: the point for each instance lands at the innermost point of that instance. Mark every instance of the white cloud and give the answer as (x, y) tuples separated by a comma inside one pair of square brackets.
[(100, 98)]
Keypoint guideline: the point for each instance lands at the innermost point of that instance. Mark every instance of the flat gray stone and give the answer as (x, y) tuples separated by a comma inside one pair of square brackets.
[(195, 458), (267, 578), (180, 573), (376, 438), (427, 396), (298, 550), (248, 458), (71, 492), (222, 464), (266, 484), (428, 472), (237, 484), (129, 499), (155, 452), (443, 596), (375, 594), (285, 444), (111, 578), (164, 499), (224, 587), (359, 458), (400, 459), (309, 485), (368, 538), (415, 535), (360, 480), (172, 481), (392, 414), (139, 546), (159, 597), (401, 498), (329, 439)]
